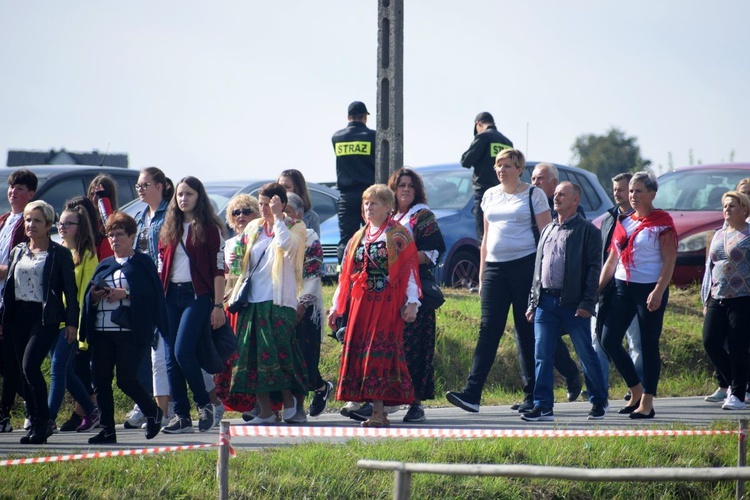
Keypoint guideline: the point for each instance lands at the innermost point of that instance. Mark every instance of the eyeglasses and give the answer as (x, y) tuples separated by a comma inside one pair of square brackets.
[(243, 211), (118, 234), (143, 186), (66, 224)]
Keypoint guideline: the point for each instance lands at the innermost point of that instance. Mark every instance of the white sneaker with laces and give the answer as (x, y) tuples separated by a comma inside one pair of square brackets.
[(733, 403)]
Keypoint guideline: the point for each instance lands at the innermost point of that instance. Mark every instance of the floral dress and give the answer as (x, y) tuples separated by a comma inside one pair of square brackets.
[(419, 335), (372, 290)]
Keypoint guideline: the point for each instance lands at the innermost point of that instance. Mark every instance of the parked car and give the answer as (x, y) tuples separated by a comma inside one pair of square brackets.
[(692, 196), (451, 197), (322, 197), (58, 183)]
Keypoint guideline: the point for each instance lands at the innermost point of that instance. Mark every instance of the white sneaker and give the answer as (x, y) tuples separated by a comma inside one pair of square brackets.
[(219, 410), (733, 403), (392, 409), (136, 419)]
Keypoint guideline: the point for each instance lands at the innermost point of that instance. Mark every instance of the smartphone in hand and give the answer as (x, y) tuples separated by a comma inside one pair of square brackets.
[(99, 284)]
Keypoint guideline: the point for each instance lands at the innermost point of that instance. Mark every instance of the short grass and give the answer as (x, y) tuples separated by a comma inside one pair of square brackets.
[(316, 470), (330, 471)]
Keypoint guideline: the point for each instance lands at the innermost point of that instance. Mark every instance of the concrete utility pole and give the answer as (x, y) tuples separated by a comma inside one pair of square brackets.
[(389, 151)]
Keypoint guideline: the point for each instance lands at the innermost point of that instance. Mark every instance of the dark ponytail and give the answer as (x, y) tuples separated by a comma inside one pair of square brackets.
[(159, 178)]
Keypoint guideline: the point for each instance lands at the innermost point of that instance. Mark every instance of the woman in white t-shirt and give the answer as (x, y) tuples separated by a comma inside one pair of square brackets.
[(641, 260), (506, 269)]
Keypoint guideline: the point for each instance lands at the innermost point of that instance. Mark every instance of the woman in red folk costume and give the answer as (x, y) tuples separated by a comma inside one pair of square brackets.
[(379, 290)]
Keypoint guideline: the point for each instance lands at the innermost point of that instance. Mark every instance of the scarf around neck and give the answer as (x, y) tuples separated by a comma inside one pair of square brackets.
[(625, 245)]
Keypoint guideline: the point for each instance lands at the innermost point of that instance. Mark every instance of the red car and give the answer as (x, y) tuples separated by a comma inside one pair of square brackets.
[(692, 196)]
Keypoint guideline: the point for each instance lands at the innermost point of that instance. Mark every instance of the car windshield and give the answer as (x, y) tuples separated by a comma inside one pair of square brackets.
[(220, 195), (447, 189), (696, 190)]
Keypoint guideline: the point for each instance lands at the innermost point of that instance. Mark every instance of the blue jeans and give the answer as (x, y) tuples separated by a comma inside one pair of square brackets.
[(63, 375), (188, 317), (550, 321)]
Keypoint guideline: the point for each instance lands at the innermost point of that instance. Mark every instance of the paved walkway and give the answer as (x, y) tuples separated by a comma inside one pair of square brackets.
[(670, 413)]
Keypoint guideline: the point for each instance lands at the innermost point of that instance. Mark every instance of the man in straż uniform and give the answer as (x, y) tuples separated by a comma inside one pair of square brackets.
[(354, 147), (487, 143)]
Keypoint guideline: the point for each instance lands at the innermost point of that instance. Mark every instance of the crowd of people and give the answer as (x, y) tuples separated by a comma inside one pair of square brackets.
[(136, 297)]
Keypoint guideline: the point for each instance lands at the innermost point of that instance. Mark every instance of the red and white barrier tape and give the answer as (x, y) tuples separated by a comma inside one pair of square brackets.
[(363, 432), (225, 439), (104, 454), (402, 432)]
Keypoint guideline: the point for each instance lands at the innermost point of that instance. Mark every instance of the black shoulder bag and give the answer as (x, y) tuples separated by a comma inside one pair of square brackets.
[(534, 227)]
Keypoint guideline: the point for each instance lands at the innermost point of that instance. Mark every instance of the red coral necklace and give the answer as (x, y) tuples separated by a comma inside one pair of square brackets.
[(369, 237)]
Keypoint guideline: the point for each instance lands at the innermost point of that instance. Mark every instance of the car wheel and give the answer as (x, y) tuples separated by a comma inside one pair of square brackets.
[(463, 271)]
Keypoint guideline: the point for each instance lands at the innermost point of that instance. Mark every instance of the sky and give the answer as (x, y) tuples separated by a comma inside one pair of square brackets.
[(242, 90)]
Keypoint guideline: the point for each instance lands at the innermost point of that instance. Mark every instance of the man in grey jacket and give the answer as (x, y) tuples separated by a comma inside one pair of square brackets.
[(563, 298)]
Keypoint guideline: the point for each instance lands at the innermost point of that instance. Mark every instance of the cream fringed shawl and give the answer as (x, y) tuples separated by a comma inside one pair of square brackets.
[(287, 259)]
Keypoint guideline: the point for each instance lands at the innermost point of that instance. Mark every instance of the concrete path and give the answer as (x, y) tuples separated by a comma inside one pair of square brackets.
[(670, 412)]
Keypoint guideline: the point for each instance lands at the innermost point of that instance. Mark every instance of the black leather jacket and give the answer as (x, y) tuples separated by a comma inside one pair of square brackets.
[(58, 279), (583, 264)]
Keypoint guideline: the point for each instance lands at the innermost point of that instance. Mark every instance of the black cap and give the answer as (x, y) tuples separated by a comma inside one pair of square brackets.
[(485, 117), (357, 108)]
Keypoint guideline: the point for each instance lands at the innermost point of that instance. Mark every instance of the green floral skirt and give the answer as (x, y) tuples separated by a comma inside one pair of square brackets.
[(269, 357)]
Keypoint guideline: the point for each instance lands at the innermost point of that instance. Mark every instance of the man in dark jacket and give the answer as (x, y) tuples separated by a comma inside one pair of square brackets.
[(355, 170), (22, 184), (563, 299), (487, 143)]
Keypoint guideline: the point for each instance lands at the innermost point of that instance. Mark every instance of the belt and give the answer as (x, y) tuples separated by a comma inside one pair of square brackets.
[(181, 284), (555, 292)]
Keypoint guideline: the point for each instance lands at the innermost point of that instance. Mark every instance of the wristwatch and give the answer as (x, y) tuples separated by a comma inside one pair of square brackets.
[(219, 306), (127, 293)]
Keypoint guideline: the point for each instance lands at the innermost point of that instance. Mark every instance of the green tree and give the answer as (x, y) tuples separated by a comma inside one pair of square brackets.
[(608, 155)]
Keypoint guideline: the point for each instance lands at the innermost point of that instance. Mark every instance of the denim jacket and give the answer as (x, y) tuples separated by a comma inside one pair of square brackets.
[(153, 230)]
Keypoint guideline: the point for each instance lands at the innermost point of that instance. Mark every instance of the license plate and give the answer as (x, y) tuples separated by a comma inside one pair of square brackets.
[(331, 269)]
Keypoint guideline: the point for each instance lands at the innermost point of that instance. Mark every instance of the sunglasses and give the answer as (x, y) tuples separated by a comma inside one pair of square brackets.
[(66, 224), (143, 186), (243, 211)]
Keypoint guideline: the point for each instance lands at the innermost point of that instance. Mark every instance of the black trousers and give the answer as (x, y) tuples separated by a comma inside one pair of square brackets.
[(728, 320), (116, 350), (32, 342), (628, 302), (350, 218), (504, 284)]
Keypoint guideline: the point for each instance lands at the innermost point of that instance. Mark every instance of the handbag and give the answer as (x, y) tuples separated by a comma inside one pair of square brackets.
[(432, 295), (216, 347), (240, 293), (123, 317)]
